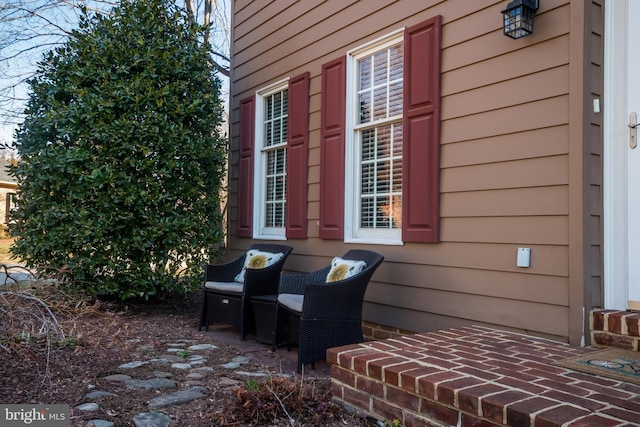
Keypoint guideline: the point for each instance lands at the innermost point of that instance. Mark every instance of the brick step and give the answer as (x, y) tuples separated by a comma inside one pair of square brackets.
[(615, 328), (477, 376)]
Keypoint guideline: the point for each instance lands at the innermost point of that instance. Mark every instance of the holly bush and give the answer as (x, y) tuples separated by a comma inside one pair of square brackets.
[(121, 155)]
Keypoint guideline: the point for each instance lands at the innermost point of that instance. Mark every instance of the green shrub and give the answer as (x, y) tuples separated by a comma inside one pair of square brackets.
[(121, 158)]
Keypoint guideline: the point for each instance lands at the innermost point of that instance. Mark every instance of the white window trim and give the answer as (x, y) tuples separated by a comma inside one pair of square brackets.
[(352, 232), (259, 190)]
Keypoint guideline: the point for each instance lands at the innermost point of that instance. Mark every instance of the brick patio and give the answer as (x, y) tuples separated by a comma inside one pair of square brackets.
[(480, 377)]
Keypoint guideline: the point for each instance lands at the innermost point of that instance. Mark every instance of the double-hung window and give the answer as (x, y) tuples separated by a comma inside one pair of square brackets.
[(272, 166), (380, 140), (271, 162), (374, 141)]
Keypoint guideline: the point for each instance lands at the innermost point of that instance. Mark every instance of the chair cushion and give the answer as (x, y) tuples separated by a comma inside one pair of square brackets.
[(292, 301), (344, 268), (234, 287), (257, 259)]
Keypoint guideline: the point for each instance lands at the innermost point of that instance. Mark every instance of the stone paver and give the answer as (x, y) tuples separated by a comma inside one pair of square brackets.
[(151, 383), (179, 372), (88, 407), (154, 419), (101, 423), (177, 398)]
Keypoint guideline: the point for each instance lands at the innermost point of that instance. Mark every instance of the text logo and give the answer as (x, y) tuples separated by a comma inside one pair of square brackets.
[(34, 415)]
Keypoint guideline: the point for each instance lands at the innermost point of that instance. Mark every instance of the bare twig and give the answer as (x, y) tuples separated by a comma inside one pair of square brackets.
[(291, 420)]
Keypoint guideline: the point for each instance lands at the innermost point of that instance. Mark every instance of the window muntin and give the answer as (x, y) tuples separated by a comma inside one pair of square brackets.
[(374, 148), (271, 163)]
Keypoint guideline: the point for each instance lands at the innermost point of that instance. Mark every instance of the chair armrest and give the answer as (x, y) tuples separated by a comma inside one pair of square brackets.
[(226, 272), (338, 300), (263, 281), (293, 283)]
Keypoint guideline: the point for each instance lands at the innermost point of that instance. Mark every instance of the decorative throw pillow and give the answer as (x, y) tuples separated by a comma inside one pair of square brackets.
[(257, 259), (344, 268)]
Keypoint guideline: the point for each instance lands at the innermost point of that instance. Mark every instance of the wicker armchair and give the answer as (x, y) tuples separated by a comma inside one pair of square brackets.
[(321, 315), (227, 300)]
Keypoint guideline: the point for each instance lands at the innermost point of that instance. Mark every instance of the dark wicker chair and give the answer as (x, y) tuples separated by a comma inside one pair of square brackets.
[(227, 301), (322, 315)]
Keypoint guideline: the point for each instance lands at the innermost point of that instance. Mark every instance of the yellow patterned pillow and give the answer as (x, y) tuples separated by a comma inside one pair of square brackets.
[(343, 268), (257, 259)]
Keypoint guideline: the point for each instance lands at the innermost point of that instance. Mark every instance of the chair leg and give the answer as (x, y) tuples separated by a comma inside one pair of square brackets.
[(203, 314)]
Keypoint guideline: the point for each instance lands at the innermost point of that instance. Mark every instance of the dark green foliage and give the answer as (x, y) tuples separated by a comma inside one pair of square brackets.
[(121, 158)]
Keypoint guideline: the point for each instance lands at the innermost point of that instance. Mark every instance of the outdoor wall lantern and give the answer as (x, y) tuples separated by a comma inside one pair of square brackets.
[(518, 18)]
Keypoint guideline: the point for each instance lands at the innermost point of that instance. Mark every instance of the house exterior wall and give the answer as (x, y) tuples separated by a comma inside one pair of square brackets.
[(520, 158)]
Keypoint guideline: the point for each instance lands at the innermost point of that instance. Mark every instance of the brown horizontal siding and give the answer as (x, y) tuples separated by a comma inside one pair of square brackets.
[(480, 308), (513, 285), (545, 259), (518, 118), (463, 268), (504, 159), (541, 142), (548, 200), (540, 230), (512, 174), (490, 46), (533, 87), (512, 65), (429, 321)]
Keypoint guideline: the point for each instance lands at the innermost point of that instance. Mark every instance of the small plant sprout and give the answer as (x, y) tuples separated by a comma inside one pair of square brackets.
[(184, 354)]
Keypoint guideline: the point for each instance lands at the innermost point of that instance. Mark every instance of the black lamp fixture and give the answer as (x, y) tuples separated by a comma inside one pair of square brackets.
[(518, 18)]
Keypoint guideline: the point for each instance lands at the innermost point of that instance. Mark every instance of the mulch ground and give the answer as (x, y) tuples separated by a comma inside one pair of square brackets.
[(54, 348)]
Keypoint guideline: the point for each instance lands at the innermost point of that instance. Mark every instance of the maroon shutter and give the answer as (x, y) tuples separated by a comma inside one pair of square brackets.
[(245, 167), (297, 156), (421, 157), (332, 134)]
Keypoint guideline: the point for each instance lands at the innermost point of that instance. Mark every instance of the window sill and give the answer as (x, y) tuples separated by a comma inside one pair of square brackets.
[(270, 237), (374, 241)]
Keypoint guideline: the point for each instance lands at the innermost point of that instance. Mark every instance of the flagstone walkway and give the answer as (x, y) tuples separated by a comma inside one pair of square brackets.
[(178, 368)]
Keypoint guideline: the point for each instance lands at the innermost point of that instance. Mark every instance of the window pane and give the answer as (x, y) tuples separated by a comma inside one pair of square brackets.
[(380, 68), (365, 107), (390, 211), (383, 142), (284, 128), (364, 73), (368, 145), (383, 212), (380, 103), (368, 178), (397, 177), (397, 139), (277, 132), (268, 134), (367, 213), (396, 58), (395, 99), (277, 104), (268, 109)]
